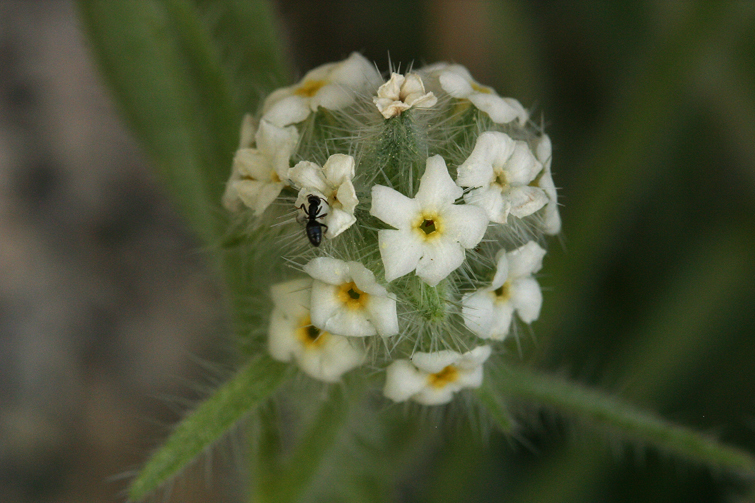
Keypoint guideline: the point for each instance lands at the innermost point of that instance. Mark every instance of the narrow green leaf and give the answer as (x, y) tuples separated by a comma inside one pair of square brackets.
[(575, 400), (168, 83), (300, 470), (252, 385), (246, 37), (495, 408)]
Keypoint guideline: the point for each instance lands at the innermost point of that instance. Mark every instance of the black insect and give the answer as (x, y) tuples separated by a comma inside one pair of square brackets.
[(314, 228)]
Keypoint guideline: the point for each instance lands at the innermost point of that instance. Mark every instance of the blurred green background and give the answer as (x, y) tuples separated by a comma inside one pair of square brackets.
[(650, 291)]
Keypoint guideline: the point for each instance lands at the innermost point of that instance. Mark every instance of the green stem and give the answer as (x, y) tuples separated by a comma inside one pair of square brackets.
[(298, 474), (575, 400)]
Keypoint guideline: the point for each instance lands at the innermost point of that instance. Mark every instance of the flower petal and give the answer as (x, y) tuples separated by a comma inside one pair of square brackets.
[(250, 163), (364, 279), (433, 363), (328, 270), (527, 299), (391, 90), (393, 208), (248, 131), (282, 343), (474, 358), (503, 313), (345, 321), (337, 222), (526, 200), (525, 260), (455, 84), (499, 110), (308, 175), (257, 195), (382, 313), (436, 188), (521, 113), (347, 196), (475, 174), (356, 73), (287, 111), (292, 296), (324, 304), (478, 313), (465, 223), (436, 396), (491, 153), (333, 96), (521, 167), (471, 378), (331, 360), (439, 258), (338, 169), (501, 271), (400, 251), (491, 200), (403, 380)]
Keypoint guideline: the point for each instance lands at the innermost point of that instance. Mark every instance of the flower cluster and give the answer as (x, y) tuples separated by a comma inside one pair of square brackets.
[(401, 221)]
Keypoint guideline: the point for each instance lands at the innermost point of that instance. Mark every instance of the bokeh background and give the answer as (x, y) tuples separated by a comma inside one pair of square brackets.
[(108, 309)]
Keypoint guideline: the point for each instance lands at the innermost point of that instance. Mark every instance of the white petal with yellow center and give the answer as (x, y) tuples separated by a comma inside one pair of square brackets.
[(260, 173), (292, 336), (457, 82), (433, 378), (499, 171), (332, 86), (346, 299), (489, 311), (432, 232)]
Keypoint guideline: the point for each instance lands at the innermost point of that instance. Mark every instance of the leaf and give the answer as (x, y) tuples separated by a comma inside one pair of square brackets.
[(578, 401), (245, 35), (299, 472), (170, 84), (249, 388), (495, 408)]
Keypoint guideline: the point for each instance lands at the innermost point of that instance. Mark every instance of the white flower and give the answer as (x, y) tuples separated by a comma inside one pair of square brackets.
[(501, 170), (401, 93), (346, 300), (318, 353), (488, 312), (456, 81), (332, 182), (259, 174), (432, 231), (433, 378), (332, 86), (552, 221)]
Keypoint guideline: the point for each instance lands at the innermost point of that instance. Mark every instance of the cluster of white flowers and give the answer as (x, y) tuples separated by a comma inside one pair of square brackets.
[(353, 183)]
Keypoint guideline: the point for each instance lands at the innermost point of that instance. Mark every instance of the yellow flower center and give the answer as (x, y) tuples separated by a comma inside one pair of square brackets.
[(503, 294), (481, 89), (443, 378), (309, 88), (429, 225), (501, 180), (309, 335), (351, 296)]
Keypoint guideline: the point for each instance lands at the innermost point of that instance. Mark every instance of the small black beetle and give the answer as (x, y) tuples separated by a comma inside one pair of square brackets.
[(314, 229)]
